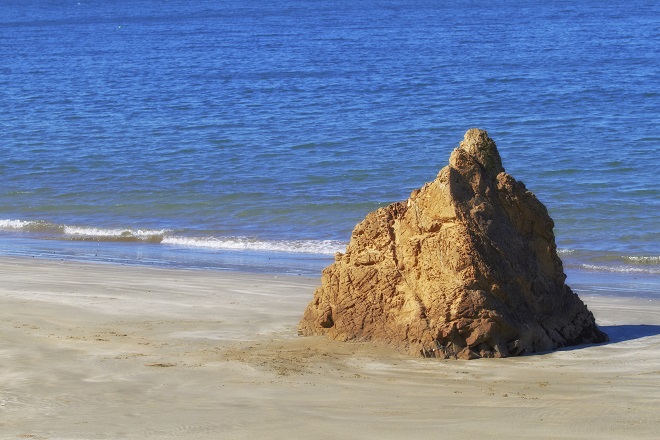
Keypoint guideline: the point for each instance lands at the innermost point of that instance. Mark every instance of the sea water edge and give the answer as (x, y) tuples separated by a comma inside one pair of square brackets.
[(585, 280)]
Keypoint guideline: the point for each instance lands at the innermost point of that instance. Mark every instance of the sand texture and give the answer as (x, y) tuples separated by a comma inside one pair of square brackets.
[(111, 352)]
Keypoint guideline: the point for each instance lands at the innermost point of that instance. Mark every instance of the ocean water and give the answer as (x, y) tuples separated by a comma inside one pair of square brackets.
[(254, 135)]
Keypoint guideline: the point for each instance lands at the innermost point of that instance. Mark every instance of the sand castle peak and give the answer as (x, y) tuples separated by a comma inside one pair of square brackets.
[(467, 267), (477, 144)]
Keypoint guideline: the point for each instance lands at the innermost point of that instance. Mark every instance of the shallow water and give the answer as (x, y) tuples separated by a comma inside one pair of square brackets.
[(257, 134)]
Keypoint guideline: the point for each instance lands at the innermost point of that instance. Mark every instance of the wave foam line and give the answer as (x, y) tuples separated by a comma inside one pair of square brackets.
[(13, 224), (84, 233), (321, 247), (100, 234), (31, 226), (160, 236), (610, 257), (620, 269), (644, 260)]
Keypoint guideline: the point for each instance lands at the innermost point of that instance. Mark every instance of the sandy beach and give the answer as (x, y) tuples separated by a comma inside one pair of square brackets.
[(94, 351)]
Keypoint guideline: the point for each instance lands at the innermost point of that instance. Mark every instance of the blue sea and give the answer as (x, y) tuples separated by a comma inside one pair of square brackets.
[(254, 135)]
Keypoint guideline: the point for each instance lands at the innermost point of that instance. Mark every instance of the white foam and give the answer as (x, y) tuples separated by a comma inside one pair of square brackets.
[(644, 260), (30, 226), (14, 224), (324, 247), (113, 233), (621, 269)]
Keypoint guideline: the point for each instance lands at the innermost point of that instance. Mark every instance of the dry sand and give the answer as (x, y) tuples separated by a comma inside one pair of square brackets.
[(92, 351)]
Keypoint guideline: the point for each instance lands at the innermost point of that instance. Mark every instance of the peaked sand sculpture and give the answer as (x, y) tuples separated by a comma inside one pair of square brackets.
[(467, 267)]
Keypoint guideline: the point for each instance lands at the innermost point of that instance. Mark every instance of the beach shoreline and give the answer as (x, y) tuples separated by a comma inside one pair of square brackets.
[(108, 351)]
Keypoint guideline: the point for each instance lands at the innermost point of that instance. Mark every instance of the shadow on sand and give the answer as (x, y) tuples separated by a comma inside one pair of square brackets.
[(621, 333), (616, 333)]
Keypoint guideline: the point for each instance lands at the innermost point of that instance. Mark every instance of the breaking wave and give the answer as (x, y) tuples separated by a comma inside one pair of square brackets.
[(32, 226), (328, 247), (100, 234), (166, 237), (645, 260), (54, 230), (610, 262), (620, 268)]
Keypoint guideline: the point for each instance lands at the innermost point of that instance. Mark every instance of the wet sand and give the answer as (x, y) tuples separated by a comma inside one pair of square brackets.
[(94, 351)]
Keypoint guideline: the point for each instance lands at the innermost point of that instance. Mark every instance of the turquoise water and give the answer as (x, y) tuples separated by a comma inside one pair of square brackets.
[(254, 134)]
